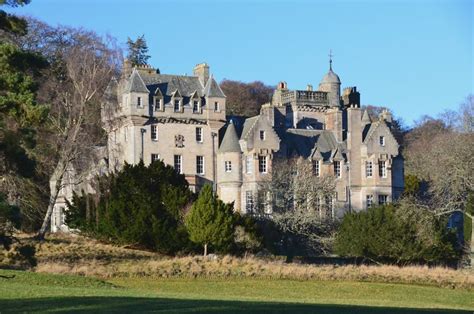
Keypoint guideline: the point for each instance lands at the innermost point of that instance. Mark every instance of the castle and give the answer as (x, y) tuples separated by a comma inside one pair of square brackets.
[(182, 121)]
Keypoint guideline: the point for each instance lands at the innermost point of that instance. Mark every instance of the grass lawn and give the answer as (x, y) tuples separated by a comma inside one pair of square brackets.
[(34, 292)]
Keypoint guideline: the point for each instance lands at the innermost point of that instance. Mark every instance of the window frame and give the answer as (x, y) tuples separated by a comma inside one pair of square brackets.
[(382, 196), (382, 140), (337, 168), (180, 105), (316, 168), (249, 201), (382, 168), (369, 200), (154, 132), (178, 163), (216, 106), (154, 157), (369, 169), (139, 102), (200, 164), (199, 134), (262, 135), (228, 166), (262, 164)]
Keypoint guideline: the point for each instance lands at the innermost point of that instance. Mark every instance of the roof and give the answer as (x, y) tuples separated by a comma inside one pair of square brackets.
[(331, 77), (312, 143), (136, 84), (248, 125), (169, 84), (213, 89), (366, 118), (230, 143)]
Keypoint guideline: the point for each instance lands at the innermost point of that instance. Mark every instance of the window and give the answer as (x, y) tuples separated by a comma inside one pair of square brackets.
[(248, 164), (316, 168), (154, 132), (368, 169), (199, 135), (262, 164), (382, 140), (178, 163), (228, 166), (139, 102), (383, 199), (200, 164), (262, 135), (382, 169), (196, 106), (155, 157), (216, 106), (249, 204), (337, 169), (177, 105), (158, 104), (369, 200)]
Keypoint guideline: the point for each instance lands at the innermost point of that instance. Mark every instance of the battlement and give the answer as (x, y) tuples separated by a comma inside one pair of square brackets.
[(307, 96)]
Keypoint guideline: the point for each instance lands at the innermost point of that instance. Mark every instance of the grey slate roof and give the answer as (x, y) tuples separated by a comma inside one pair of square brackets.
[(213, 89), (136, 84), (168, 84), (230, 143), (366, 118), (248, 125), (331, 77), (308, 143)]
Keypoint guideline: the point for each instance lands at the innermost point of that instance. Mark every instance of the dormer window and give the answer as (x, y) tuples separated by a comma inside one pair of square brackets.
[(158, 103), (337, 169), (177, 105), (196, 106), (139, 102), (382, 140)]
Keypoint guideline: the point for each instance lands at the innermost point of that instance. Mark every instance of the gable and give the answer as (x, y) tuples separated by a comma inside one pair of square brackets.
[(372, 140)]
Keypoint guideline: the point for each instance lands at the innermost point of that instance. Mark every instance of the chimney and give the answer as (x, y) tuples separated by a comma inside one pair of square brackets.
[(126, 68), (201, 70), (309, 88)]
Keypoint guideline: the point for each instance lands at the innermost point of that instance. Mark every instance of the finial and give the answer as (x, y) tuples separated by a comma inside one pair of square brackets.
[(330, 59)]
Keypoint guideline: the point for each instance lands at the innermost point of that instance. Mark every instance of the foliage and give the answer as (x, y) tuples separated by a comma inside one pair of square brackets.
[(211, 221), (138, 205), (247, 238), (301, 204), (137, 51), (9, 221), (399, 234), (245, 99)]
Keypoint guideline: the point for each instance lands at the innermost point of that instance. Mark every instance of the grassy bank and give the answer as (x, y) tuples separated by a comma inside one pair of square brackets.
[(86, 257), (28, 291)]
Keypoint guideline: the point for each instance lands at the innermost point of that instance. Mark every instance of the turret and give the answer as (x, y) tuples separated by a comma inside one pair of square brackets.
[(136, 96), (229, 167), (332, 85)]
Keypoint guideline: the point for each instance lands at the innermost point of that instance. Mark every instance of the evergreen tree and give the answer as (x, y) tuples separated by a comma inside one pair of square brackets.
[(139, 205), (211, 221), (138, 51)]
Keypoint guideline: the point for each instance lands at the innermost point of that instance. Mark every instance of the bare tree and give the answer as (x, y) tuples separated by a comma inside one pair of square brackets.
[(301, 203), (86, 64)]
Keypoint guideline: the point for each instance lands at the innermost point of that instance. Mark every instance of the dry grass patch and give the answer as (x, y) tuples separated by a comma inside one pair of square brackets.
[(66, 254)]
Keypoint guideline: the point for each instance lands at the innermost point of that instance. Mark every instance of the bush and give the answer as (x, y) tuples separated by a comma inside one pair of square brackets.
[(400, 234), (139, 205)]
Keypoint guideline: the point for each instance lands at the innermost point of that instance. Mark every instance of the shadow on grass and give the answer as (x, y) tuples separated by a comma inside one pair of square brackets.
[(166, 305)]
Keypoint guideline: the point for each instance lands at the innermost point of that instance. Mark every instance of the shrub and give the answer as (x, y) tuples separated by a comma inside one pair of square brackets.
[(401, 234), (138, 205)]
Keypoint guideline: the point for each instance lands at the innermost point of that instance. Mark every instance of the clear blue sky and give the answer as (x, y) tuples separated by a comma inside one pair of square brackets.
[(415, 57)]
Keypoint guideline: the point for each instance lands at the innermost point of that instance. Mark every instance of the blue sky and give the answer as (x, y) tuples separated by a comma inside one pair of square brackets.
[(415, 57)]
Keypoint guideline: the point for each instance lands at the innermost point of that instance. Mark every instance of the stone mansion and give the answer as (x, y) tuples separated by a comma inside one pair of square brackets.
[(182, 121)]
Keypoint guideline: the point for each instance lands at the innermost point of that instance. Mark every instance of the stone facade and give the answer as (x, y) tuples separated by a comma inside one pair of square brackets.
[(182, 121)]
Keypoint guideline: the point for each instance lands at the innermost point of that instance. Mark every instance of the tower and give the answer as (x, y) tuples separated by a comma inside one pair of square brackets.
[(332, 85), (229, 168)]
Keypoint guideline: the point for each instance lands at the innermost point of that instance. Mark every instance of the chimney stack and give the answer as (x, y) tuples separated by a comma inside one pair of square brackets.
[(201, 70)]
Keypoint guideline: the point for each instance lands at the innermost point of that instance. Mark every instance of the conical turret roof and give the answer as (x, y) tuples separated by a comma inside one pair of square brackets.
[(136, 84), (230, 143)]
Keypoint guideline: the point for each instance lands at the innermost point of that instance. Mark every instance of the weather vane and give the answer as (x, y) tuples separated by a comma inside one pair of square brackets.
[(330, 59)]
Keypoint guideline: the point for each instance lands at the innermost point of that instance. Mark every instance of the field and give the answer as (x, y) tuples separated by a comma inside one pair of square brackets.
[(75, 274)]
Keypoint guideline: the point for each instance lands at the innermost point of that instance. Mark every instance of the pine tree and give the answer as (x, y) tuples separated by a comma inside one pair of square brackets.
[(138, 51), (210, 221)]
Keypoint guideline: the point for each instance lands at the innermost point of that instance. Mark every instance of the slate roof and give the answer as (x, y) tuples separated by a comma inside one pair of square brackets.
[(136, 84), (248, 125), (307, 143), (213, 89), (230, 143)]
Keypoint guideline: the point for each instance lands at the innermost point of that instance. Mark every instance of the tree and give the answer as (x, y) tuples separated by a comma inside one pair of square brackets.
[(245, 99), (139, 205), (301, 204), (210, 221), (138, 51), (402, 234), (84, 66)]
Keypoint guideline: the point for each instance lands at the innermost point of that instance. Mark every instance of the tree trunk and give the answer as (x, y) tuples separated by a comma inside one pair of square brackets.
[(60, 170), (205, 249)]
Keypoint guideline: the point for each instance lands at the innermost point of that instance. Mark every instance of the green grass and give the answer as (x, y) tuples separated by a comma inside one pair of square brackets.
[(33, 292)]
